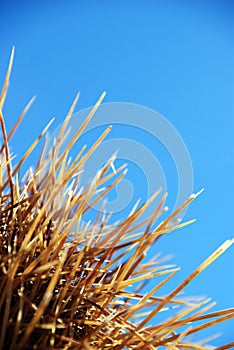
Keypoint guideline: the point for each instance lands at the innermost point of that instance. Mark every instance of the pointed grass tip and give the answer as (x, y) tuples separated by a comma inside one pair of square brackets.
[(195, 195)]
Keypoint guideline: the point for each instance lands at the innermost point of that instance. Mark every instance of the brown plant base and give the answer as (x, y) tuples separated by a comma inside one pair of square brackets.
[(64, 286)]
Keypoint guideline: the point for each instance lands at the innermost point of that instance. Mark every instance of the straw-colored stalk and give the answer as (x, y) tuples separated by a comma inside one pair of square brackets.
[(64, 285)]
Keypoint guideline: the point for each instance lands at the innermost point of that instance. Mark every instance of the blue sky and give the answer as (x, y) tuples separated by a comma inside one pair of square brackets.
[(175, 57)]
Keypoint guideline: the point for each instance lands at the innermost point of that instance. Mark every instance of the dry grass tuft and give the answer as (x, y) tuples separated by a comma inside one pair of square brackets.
[(64, 286)]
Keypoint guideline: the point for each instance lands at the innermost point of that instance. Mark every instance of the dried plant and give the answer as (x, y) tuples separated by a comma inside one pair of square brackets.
[(64, 285)]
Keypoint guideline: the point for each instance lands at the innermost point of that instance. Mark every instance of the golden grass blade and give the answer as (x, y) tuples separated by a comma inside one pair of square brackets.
[(195, 273), (6, 81), (28, 106), (8, 165)]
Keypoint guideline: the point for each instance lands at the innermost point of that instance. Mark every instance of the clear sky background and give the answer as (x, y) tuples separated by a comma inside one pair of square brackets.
[(175, 57)]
